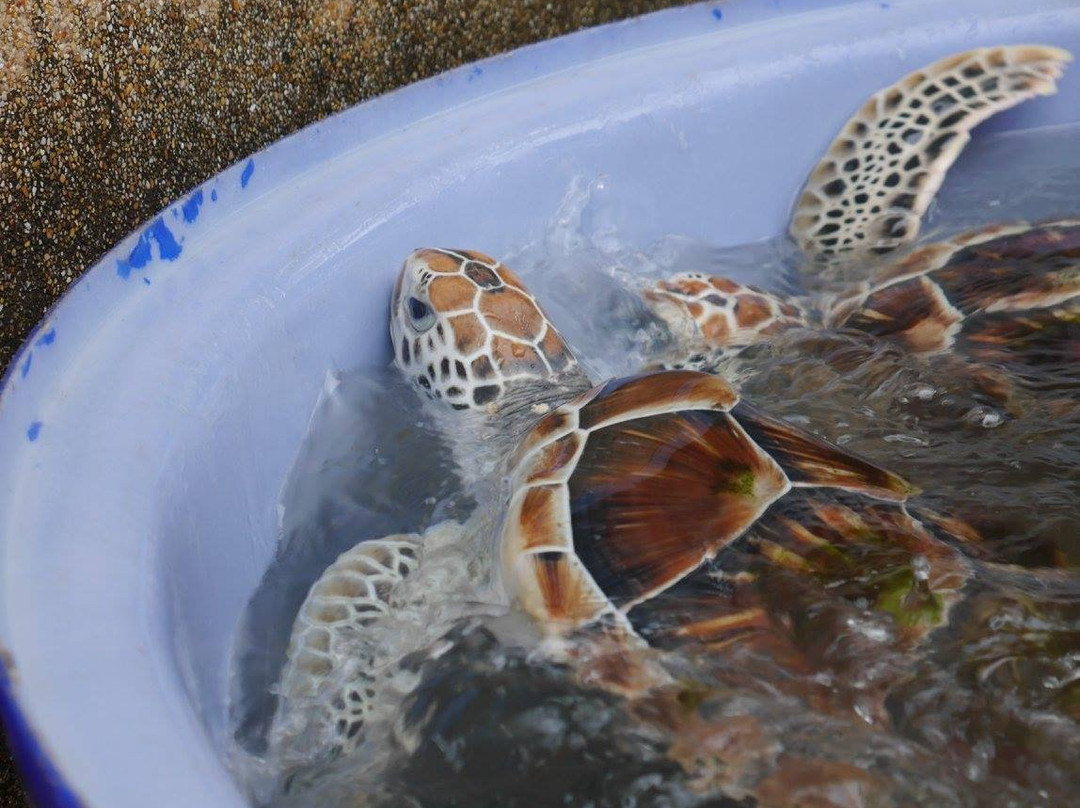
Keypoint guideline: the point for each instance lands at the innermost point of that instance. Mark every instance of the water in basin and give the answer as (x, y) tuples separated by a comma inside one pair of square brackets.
[(989, 716)]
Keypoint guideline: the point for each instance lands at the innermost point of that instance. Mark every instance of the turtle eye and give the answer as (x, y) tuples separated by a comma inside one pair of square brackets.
[(421, 315)]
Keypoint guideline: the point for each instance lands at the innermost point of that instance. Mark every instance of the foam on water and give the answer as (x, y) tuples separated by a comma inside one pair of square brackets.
[(989, 715)]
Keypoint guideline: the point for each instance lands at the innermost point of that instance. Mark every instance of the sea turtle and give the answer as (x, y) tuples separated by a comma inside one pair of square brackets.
[(662, 511), (993, 298), (658, 513)]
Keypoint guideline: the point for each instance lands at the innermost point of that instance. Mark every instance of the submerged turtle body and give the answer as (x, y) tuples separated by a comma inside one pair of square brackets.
[(998, 294), (666, 512), (1005, 294)]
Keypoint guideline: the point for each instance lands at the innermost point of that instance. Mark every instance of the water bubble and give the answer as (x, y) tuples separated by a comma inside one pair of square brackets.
[(864, 713), (984, 417), (910, 440)]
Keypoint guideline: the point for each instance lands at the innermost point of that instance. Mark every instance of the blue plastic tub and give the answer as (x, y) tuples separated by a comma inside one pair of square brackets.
[(147, 425)]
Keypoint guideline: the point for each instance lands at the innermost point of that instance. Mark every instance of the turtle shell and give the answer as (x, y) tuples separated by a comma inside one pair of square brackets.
[(988, 289), (635, 488)]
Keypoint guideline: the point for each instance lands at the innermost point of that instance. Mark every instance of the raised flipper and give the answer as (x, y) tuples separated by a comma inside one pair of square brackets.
[(868, 194), (327, 686)]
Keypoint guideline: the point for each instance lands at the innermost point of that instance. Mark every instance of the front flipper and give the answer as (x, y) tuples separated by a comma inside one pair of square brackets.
[(327, 686), (868, 194)]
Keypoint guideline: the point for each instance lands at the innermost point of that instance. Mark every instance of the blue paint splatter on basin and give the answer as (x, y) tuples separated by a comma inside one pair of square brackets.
[(167, 246), (33, 431), (25, 370), (718, 13), (245, 175), (191, 206), (141, 255), (48, 338)]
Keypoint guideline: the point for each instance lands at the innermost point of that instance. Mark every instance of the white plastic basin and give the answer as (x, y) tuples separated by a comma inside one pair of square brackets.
[(147, 425)]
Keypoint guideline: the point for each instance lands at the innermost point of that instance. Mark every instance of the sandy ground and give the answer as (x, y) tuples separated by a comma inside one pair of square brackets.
[(110, 110)]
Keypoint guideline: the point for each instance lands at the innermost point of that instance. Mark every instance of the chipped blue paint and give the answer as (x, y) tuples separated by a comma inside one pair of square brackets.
[(146, 280), (141, 254), (48, 338), (718, 13), (33, 431), (191, 206), (245, 175), (213, 195), (167, 246)]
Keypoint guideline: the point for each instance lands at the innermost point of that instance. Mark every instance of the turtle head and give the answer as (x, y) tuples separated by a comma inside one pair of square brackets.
[(466, 331)]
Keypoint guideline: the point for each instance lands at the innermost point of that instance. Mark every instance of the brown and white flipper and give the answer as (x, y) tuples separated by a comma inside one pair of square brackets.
[(327, 687), (869, 192)]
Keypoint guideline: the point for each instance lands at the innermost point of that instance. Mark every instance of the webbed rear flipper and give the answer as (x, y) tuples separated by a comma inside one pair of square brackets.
[(868, 194)]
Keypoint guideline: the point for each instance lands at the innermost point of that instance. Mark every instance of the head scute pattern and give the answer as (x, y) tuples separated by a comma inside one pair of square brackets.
[(464, 327), (721, 312)]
